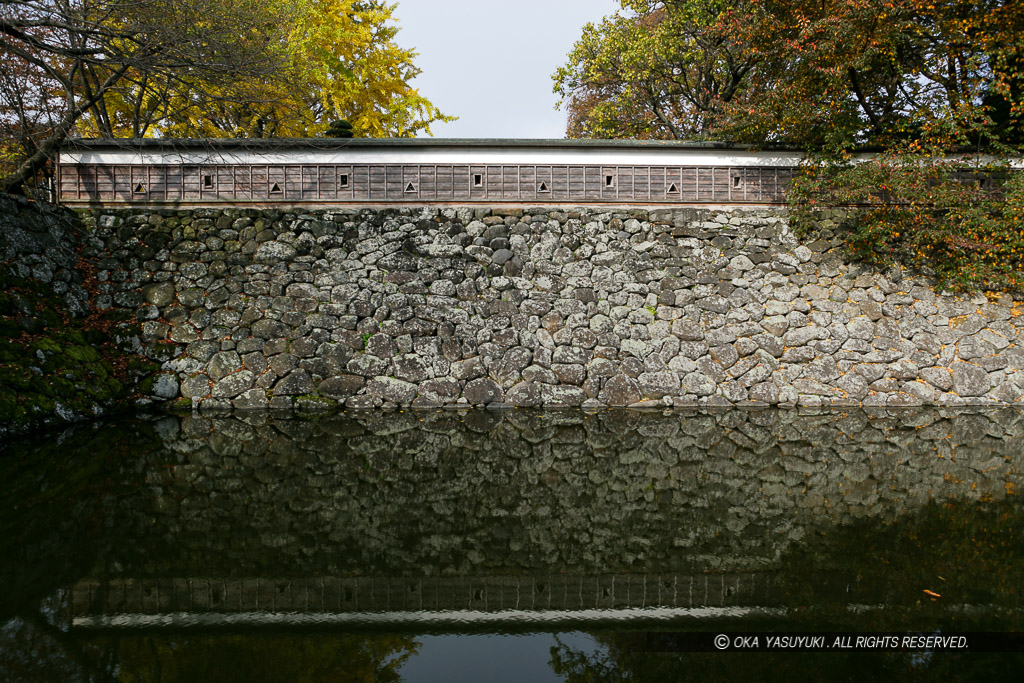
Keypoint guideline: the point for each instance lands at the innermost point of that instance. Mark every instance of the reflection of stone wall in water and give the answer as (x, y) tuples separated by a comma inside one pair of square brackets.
[(538, 307), (471, 493)]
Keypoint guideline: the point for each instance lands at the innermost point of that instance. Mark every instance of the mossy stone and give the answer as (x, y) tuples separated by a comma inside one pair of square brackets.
[(82, 354), (46, 344)]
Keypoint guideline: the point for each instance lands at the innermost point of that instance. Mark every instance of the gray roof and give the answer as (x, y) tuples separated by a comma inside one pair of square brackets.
[(156, 144)]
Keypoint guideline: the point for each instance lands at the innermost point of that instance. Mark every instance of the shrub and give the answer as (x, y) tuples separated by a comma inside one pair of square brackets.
[(958, 218)]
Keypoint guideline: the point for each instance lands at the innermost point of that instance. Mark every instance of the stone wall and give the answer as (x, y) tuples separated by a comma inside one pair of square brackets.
[(255, 308), (58, 362), (38, 242)]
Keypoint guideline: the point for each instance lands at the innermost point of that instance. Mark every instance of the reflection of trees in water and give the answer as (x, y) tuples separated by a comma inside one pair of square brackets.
[(620, 661), (957, 565), (252, 657), (31, 649), (968, 554), (58, 495)]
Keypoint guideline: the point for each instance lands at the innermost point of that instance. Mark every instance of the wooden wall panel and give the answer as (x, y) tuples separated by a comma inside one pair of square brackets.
[(405, 183)]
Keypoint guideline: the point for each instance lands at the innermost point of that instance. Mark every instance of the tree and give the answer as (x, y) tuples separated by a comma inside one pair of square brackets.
[(879, 72), (958, 219), (936, 88), (820, 75), (663, 70), (344, 63), (197, 68), (71, 55), (257, 656)]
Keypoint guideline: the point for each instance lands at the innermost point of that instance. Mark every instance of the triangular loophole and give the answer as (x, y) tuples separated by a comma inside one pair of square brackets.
[(673, 188), (410, 187), (543, 187), (275, 188), (140, 188)]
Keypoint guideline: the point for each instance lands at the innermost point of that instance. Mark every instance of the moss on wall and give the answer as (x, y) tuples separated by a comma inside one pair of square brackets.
[(59, 360), (54, 367)]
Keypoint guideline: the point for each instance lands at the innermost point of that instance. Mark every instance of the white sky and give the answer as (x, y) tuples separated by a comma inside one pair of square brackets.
[(490, 62)]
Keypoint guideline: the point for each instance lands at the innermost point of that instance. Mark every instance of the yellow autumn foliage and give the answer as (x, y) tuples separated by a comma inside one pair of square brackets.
[(340, 60)]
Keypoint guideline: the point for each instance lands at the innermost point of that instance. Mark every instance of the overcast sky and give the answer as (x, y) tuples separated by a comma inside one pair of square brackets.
[(490, 62)]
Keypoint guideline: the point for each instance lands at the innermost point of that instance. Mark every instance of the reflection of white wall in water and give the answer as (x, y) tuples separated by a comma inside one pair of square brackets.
[(449, 618), (550, 599)]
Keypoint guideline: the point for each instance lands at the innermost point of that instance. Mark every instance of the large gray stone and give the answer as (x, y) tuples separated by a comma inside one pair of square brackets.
[(268, 329), (381, 345), (822, 369), (970, 379), (341, 387), (159, 293), (392, 390), (699, 384), (572, 355), (166, 386), (524, 395), (766, 392), (196, 386), (726, 355), (537, 373), (559, 395), (253, 399), (411, 368), (853, 385), (620, 390), (223, 364), (233, 385), (687, 330), (940, 378), (973, 347), (658, 384), (468, 369), (295, 383), (368, 366), (444, 391), (482, 391), (803, 335), (861, 328), (569, 374), (275, 252)]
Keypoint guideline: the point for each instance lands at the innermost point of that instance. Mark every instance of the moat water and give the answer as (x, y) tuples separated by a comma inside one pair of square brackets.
[(509, 545)]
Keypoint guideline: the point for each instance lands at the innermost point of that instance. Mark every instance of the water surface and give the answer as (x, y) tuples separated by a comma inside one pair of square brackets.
[(459, 545)]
